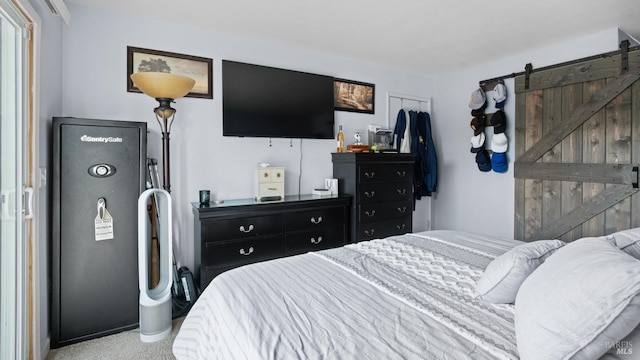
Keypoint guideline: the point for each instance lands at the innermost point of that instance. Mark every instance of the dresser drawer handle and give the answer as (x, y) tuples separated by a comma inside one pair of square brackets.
[(370, 194), (250, 229), (401, 226), (246, 253), (401, 191), (401, 173), (370, 214), (402, 210), (318, 221), (370, 232), (314, 241), (370, 176)]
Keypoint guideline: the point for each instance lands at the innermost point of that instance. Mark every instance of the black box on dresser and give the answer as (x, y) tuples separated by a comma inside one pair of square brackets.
[(382, 188), (243, 231)]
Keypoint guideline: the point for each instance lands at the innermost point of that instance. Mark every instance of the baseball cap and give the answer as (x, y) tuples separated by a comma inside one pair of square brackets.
[(477, 124), (482, 159), (499, 162), (499, 122), (477, 99), (499, 143), (477, 143), (500, 95)]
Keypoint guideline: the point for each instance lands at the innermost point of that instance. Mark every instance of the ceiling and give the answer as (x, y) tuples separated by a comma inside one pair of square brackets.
[(422, 36)]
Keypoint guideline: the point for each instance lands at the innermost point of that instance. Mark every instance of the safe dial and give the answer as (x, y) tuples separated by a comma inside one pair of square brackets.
[(102, 170)]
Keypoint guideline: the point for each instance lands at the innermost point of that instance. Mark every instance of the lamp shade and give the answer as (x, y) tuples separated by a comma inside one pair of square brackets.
[(163, 85)]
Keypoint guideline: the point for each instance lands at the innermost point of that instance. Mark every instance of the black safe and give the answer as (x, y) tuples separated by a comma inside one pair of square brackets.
[(98, 175)]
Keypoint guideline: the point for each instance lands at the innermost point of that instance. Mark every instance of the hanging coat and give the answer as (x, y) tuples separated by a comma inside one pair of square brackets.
[(401, 131), (415, 144), (430, 166), (425, 171)]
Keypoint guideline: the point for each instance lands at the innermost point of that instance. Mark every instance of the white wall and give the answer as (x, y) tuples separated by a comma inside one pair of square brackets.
[(468, 199), (94, 86)]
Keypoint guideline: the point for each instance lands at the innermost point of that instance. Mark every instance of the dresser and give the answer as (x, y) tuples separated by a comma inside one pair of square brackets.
[(243, 231), (382, 188)]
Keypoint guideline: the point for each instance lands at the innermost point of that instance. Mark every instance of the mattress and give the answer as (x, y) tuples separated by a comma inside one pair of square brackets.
[(403, 297)]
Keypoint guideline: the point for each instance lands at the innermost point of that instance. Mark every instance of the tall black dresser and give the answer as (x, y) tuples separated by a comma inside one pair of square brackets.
[(382, 188)]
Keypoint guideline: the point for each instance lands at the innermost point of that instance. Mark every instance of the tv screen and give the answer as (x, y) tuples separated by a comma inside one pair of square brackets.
[(261, 101)]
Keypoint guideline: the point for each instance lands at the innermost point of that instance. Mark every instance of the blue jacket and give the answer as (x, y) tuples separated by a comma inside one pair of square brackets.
[(401, 125), (426, 166)]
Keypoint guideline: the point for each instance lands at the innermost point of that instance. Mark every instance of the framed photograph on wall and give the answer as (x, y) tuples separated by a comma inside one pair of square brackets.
[(198, 68), (353, 96)]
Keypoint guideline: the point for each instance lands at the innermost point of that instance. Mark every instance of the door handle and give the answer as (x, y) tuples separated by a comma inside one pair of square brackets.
[(27, 207)]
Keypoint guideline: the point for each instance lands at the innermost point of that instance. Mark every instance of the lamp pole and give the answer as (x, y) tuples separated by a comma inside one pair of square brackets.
[(165, 115)]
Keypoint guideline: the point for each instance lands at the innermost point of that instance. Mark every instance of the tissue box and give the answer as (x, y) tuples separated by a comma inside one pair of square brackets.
[(321, 192)]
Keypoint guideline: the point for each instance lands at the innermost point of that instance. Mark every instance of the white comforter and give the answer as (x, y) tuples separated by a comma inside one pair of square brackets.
[(404, 297)]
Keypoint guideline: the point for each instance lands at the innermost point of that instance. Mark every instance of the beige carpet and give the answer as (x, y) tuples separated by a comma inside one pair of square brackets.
[(122, 346)]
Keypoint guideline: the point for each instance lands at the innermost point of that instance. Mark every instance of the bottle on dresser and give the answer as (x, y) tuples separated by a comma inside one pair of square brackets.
[(340, 139)]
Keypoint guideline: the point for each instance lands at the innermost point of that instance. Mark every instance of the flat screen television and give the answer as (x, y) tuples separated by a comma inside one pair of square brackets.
[(261, 101)]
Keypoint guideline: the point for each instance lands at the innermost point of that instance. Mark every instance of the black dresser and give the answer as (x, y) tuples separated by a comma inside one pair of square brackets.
[(382, 188), (240, 232)]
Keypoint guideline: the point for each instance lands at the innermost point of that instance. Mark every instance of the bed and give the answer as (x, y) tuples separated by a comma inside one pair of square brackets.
[(415, 296)]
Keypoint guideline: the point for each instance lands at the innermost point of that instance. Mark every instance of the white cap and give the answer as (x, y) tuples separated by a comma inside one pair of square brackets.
[(477, 142), (499, 93), (499, 143)]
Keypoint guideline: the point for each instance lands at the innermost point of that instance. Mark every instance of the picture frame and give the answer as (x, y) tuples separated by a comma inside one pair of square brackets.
[(354, 96), (198, 68)]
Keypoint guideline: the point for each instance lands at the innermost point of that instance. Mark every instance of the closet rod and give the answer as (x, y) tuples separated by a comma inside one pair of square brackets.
[(407, 97)]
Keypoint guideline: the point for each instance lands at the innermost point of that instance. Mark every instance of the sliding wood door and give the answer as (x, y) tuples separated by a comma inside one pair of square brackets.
[(577, 146)]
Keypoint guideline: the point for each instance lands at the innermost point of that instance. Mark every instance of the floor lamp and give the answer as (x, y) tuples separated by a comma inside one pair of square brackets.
[(155, 280), (164, 87)]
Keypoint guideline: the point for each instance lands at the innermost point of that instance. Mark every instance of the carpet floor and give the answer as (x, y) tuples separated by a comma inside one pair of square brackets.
[(122, 346)]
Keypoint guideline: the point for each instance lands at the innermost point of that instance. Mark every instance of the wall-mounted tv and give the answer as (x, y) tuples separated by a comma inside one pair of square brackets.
[(261, 101)]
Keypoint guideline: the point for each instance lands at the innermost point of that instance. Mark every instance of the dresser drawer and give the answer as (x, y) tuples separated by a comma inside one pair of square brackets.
[(242, 228), (314, 240), (383, 211), (241, 252), (313, 219), (381, 229), (384, 192), (385, 172)]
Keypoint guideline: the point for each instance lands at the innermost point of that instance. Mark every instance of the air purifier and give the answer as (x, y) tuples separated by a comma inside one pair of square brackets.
[(155, 299)]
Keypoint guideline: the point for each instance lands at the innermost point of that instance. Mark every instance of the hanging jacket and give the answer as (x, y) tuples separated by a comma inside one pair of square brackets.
[(425, 171), (430, 167), (400, 131), (415, 143)]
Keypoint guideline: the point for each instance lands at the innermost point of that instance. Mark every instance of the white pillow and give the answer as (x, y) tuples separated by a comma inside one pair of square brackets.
[(583, 298), (628, 241), (501, 280)]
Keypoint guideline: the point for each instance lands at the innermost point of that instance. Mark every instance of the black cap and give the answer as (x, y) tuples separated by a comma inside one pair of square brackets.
[(478, 123), (499, 122)]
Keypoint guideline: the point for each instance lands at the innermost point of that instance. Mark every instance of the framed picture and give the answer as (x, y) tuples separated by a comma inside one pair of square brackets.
[(353, 96), (198, 68)]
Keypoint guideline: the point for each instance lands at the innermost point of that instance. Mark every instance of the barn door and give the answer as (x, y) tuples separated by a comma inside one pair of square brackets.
[(577, 147)]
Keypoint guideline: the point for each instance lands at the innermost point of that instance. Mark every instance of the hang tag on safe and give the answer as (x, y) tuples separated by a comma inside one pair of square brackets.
[(103, 222)]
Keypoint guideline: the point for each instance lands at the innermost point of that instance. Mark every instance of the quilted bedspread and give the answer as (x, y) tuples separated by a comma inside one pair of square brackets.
[(403, 297)]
